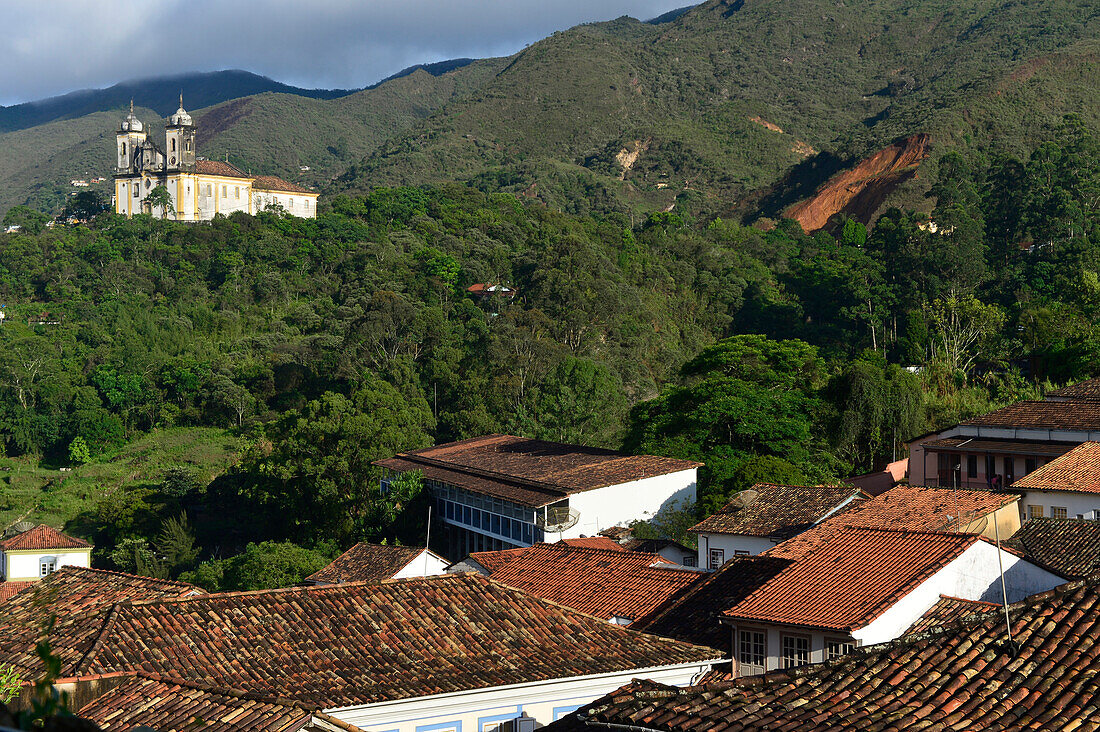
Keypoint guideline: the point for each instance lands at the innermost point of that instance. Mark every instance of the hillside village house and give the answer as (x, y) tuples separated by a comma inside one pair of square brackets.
[(451, 652), (28, 555), (962, 675), (1066, 487), (199, 189), (499, 491), (993, 450), (372, 562), (754, 521), (864, 586)]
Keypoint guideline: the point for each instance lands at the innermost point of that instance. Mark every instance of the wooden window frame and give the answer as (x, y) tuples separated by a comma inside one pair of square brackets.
[(783, 637), (755, 669)]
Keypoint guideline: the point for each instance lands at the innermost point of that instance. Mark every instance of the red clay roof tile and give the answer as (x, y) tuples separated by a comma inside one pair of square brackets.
[(350, 644), (366, 563), (275, 183), (81, 598), (949, 609), (42, 537), (531, 472), (1043, 415), (1088, 390), (962, 676), (600, 582), (1077, 470), (848, 581), (220, 168), (1070, 547), (778, 510), (9, 589)]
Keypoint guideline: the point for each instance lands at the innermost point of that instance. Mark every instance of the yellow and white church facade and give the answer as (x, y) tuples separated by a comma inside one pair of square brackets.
[(199, 189)]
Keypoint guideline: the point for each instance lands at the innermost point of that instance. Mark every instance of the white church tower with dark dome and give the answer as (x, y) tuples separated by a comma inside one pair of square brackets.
[(198, 189)]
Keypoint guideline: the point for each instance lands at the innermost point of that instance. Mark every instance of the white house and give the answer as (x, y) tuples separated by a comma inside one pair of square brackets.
[(34, 553), (372, 562), (1066, 487), (861, 586), (499, 491), (756, 520)]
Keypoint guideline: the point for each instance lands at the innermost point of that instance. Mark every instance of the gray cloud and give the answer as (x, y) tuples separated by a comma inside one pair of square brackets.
[(57, 46)]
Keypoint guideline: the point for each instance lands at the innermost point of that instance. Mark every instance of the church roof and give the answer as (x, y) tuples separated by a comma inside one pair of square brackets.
[(217, 167), (274, 183)]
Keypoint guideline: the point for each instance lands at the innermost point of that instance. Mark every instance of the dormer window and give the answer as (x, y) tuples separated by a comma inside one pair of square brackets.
[(46, 566)]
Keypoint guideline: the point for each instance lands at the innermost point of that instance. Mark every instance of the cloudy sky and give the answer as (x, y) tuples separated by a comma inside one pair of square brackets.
[(55, 46)]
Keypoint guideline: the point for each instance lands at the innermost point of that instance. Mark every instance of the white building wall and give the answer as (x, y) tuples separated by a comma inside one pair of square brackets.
[(973, 575), (485, 709), (425, 564), (1086, 505), (296, 204), (637, 500), (19, 566), (731, 544)]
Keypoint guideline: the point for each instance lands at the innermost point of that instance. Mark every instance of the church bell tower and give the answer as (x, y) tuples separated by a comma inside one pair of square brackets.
[(179, 140), (129, 139)]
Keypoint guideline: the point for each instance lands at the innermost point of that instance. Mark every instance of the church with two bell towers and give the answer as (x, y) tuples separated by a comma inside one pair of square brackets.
[(198, 189)]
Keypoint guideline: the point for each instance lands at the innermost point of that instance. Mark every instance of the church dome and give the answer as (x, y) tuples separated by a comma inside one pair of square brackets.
[(181, 117), (132, 123)]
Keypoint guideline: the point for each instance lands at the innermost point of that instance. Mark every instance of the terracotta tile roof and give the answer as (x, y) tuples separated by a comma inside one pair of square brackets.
[(779, 510), (492, 561), (693, 616), (949, 609), (963, 676), (366, 563), (173, 705), (1072, 415), (618, 533), (43, 537), (652, 546), (1014, 447), (217, 167), (902, 507), (275, 183), (81, 598), (595, 542), (599, 582), (8, 589), (1068, 546), (848, 581), (342, 645), (531, 472), (1088, 390), (1078, 470)]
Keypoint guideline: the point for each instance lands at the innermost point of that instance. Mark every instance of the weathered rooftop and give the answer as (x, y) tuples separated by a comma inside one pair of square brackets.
[(1078, 470), (1073, 416), (779, 510), (42, 537), (963, 676), (530, 472), (350, 644), (1068, 546), (600, 582), (366, 563)]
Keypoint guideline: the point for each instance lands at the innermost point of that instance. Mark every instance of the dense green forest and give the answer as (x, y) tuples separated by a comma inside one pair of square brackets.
[(318, 346)]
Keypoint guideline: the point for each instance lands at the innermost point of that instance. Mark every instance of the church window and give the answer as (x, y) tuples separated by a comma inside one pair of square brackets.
[(124, 148), (237, 192), (292, 203), (225, 193), (173, 145), (173, 160)]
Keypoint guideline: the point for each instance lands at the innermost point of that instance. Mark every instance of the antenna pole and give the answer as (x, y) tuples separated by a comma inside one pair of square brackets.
[(427, 540), (1001, 568)]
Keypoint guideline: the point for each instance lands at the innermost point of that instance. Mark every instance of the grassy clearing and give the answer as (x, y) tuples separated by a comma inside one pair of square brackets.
[(31, 492)]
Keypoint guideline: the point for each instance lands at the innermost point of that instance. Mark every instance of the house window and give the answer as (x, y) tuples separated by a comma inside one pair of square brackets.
[(717, 558), (1034, 512), (990, 466), (47, 565), (752, 652), (1029, 465), (689, 561), (292, 203), (740, 552), (971, 466), (1058, 512), (837, 647), (796, 650)]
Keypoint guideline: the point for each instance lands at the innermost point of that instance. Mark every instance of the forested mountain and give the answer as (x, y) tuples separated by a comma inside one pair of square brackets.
[(734, 97), (271, 133), (160, 94)]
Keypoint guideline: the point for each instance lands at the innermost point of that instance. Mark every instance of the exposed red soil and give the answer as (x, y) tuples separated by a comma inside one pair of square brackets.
[(860, 191)]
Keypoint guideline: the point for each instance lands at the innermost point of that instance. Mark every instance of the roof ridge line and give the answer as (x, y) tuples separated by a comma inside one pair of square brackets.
[(114, 572)]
